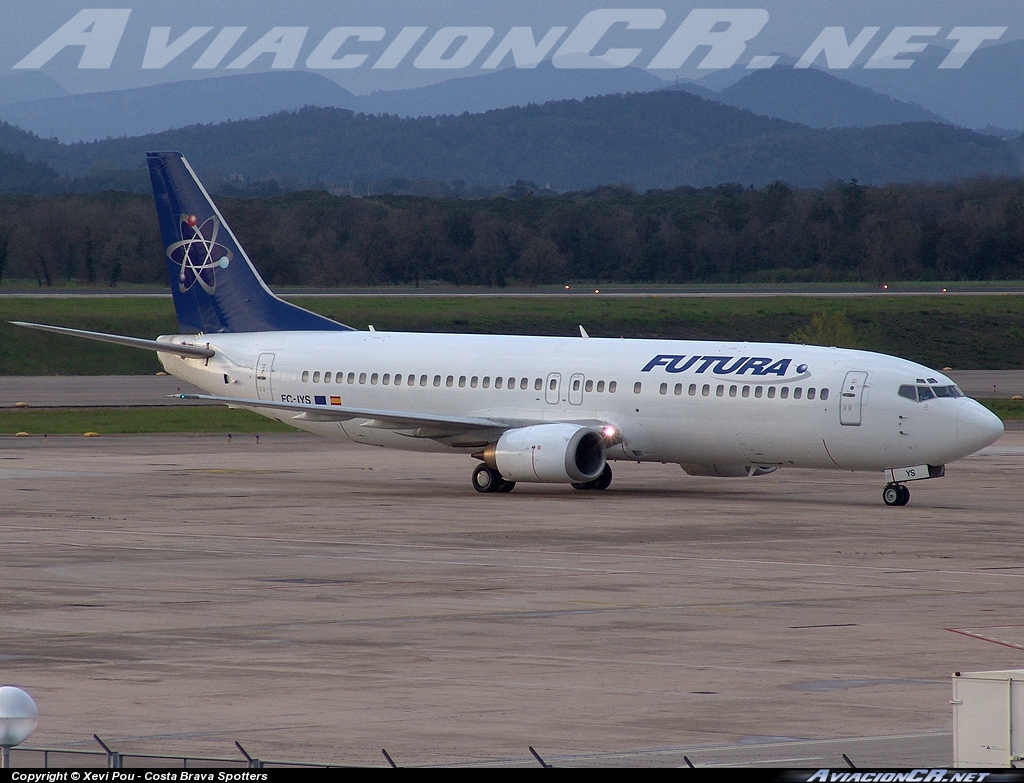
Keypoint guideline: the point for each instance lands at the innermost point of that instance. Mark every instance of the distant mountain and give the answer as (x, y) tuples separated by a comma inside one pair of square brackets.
[(819, 99), (19, 86), (143, 110), (42, 107), (986, 91), (509, 87), (662, 139)]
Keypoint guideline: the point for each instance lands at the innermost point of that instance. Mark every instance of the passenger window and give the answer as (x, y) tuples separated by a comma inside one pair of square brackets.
[(771, 392), (589, 387), (552, 384), (487, 382), (449, 381), (386, 379), (678, 389), (499, 382), (824, 394), (798, 393), (437, 380), (810, 393), (316, 377), (611, 387), (462, 381), (720, 391), (758, 391), (692, 391), (705, 390), (423, 380), (538, 384), (373, 379), (362, 377), (600, 386), (663, 389), (636, 387), (732, 391), (784, 392), (524, 384), (746, 391), (327, 377), (305, 376), (398, 379), (576, 385)]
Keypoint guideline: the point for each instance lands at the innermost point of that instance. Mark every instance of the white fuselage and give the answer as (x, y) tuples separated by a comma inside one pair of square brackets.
[(689, 402)]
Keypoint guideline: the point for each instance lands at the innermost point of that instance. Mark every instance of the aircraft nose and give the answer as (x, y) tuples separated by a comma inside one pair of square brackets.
[(976, 426)]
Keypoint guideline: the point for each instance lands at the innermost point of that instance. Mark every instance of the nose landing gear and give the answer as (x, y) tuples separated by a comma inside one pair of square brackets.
[(895, 494)]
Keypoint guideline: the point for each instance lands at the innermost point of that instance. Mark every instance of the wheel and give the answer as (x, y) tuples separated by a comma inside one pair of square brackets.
[(601, 482), (506, 486), (895, 495), (906, 495), (486, 480)]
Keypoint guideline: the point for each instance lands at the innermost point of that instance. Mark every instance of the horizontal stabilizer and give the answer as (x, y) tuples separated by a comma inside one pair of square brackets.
[(180, 349)]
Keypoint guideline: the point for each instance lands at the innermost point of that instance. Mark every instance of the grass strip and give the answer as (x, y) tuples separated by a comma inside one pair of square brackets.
[(127, 421)]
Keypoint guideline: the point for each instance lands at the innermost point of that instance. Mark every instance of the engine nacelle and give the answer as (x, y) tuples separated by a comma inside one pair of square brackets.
[(728, 471), (556, 453)]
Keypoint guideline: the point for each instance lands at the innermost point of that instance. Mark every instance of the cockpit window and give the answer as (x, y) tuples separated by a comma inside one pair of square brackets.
[(922, 393)]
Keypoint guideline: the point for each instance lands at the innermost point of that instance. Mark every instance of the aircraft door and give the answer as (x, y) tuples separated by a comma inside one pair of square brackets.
[(551, 387), (576, 389), (852, 397), (264, 373)]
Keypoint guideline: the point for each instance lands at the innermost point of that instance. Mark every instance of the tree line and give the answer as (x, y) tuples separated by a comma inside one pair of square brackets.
[(967, 230)]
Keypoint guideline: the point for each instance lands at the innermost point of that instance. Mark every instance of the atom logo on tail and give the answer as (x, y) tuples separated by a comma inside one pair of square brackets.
[(198, 253)]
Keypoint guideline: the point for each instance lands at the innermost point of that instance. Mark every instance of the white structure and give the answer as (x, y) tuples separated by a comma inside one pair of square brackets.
[(988, 718), (18, 718)]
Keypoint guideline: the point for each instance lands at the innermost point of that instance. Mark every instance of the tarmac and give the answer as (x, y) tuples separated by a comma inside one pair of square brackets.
[(318, 601)]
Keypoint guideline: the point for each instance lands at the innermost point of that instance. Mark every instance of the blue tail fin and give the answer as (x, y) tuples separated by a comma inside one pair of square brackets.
[(216, 288)]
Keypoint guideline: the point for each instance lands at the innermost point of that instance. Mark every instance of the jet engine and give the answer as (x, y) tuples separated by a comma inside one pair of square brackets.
[(554, 453)]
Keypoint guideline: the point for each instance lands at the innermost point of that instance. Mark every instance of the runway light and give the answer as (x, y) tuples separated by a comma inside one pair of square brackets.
[(567, 288), (885, 286), (597, 290)]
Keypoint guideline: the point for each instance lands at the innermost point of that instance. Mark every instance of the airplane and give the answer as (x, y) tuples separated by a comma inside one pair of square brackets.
[(554, 410)]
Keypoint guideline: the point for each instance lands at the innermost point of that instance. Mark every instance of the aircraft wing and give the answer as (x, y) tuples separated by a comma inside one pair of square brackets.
[(451, 430), (416, 425)]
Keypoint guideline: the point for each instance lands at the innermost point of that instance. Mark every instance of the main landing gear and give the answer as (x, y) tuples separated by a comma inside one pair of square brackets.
[(487, 479), (895, 494), (601, 482)]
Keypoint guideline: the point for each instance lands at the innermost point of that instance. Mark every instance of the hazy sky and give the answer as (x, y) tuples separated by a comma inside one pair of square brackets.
[(119, 42)]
